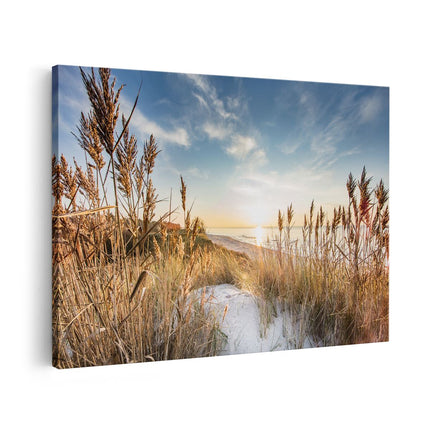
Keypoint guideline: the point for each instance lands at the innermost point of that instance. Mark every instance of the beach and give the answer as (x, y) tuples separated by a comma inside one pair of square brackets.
[(252, 251)]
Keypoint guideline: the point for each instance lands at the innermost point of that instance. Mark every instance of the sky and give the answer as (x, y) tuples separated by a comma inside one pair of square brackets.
[(245, 147)]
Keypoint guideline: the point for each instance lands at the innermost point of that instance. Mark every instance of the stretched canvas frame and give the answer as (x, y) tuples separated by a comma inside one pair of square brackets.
[(201, 215)]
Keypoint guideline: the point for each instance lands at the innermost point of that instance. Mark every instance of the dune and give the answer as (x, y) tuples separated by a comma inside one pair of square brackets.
[(239, 318), (239, 313)]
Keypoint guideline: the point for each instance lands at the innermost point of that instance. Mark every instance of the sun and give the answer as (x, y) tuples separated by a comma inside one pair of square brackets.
[(256, 212), (259, 235)]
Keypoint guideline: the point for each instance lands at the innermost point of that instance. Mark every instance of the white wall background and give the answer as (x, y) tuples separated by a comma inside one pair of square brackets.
[(368, 386)]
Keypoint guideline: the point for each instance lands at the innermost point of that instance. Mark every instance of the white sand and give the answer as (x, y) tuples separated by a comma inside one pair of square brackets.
[(242, 322), (242, 327)]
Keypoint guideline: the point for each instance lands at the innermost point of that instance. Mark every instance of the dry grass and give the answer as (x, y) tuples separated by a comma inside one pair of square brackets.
[(336, 279), (116, 297)]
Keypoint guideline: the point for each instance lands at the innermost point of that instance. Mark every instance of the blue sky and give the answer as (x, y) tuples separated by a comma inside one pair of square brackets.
[(245, 147)]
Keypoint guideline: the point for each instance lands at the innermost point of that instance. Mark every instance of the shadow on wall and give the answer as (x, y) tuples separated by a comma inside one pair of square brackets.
[(40, 219)]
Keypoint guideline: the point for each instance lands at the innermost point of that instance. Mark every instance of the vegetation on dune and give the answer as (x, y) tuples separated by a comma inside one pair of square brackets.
[(115, 300), (123, 279), (335, 281)]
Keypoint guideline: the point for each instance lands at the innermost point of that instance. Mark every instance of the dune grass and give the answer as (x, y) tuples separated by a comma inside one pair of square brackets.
[(335, 281), (123, 280)]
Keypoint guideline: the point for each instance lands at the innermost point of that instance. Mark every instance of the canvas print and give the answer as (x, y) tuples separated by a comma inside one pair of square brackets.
[(198, 216)]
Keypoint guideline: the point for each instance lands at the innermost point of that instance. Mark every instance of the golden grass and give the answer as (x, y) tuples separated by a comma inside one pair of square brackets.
[(336, 279)]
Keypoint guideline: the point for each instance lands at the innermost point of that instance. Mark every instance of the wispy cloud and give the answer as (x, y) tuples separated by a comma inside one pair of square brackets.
[(369, 108), (241, 146), (72, 94), (217, 132), (72, 99), (191, 172), (290, 148), (324, 142), (201, 100), (224, 122), (175, 136), (246, 150), (257, 158), (223, 125), (329, 128), (233, 103), (195, 172), (207, 96)]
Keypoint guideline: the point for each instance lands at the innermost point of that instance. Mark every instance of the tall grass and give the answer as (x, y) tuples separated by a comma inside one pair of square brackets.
[(335, 281), (121, 282)]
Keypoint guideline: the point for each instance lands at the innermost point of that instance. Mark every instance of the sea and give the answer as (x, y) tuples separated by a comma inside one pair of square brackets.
[(260, 236)]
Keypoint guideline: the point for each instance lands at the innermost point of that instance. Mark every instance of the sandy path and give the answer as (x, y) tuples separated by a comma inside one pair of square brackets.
[(238, 313)]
